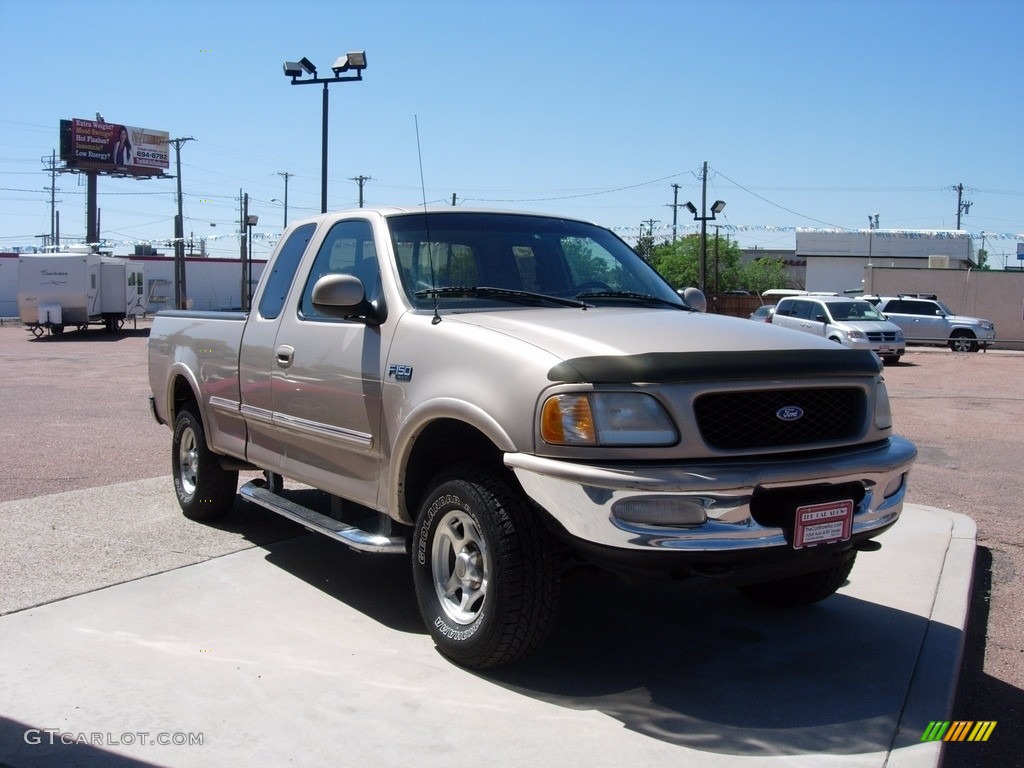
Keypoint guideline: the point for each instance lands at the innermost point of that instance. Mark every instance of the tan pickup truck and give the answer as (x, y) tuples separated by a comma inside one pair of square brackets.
[(500, 396)]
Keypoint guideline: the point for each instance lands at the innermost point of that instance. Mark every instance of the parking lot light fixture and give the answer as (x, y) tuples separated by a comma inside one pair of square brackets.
[(353, 63)]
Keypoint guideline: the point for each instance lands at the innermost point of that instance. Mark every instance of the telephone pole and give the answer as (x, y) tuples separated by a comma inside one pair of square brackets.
[(285, 175), (360, 180), (180, 294), (962, 206), (675, 209)]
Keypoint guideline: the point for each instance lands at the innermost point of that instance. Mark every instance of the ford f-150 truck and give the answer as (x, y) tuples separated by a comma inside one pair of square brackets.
[(501, 395)]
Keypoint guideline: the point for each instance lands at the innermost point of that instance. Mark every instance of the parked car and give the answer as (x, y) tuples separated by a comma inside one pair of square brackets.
[(763, 314), (854, 323), (929, 321)]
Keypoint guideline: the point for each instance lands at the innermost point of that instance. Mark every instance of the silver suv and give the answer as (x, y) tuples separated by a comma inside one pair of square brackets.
[(929, 321), (853, 323)]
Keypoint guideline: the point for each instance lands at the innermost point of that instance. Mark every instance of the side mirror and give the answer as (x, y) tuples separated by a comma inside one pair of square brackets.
[(332, 293), (343, 296), (694, 299)]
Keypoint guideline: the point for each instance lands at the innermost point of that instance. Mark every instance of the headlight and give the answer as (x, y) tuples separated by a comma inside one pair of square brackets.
[(606, 418), (899, 336), (987, 325), (856, 334)]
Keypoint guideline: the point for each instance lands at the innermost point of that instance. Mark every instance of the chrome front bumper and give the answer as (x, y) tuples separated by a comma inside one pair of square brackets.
[(582, 497)]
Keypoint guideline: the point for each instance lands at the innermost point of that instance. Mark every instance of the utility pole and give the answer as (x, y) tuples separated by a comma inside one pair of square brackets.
[(52, 189), (675, 209), (285, 175), (704, 228), (360, 180), (245, 253), (453, 199), (962, 206), (180, 293)]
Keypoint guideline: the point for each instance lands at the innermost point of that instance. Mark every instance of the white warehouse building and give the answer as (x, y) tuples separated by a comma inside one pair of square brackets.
[(836, 260)]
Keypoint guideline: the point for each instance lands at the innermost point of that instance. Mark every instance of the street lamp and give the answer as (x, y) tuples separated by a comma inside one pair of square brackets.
[(717, 207), (354, 60)]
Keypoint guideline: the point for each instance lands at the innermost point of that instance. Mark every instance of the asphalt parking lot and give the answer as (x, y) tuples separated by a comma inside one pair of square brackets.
[(74, 417)]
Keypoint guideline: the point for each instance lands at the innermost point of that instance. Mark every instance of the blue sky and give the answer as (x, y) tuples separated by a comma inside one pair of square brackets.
[(809, 113)]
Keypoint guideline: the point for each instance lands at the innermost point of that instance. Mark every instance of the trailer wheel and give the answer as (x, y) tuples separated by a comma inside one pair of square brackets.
[(205, 490), (485, 571)]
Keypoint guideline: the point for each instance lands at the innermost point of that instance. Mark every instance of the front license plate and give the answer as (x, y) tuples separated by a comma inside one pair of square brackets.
[(883, 348), (823, 523)]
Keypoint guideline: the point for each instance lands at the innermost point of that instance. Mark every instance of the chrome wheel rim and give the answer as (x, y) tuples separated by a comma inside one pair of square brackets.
[(460, 567), (188, 460)]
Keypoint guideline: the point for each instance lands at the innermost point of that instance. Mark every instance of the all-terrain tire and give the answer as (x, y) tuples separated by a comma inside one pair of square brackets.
[(205, 490), (486, 571)]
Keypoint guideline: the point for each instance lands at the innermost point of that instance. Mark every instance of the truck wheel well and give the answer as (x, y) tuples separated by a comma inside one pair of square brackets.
[(442, 444), (183, 396)]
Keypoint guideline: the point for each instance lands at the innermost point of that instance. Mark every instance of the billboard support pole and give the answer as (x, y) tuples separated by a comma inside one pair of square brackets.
[(92, 224)]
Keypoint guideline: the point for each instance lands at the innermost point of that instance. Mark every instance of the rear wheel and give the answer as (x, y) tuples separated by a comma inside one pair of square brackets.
[(485, 571), (205, 490), (801, 590), (963, 342)]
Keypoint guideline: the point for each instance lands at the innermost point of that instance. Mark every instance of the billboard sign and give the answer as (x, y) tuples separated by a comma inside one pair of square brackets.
[(113, 148)]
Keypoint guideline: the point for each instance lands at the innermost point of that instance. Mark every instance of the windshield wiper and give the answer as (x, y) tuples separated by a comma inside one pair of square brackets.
[(634, 296), (510, 293)]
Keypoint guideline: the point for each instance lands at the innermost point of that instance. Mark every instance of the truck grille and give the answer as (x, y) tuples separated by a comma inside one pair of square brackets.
[(743, 420), (882, 336)]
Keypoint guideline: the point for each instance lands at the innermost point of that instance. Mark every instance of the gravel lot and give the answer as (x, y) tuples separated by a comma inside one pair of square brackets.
[(75, 415)]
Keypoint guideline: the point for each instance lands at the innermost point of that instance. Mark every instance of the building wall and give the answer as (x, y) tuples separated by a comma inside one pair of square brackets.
[(995, 295)]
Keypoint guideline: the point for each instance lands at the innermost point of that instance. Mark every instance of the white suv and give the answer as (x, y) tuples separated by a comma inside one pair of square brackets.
[(929, 321), (853, 323)]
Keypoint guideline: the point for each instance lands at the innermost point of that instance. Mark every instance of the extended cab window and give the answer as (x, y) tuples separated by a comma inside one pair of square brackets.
[(347, 249), (280, 279)]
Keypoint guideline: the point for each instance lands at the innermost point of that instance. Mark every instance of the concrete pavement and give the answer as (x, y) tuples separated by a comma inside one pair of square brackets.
[(298, 651)]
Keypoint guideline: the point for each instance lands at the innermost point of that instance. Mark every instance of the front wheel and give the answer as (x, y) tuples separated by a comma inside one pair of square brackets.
[(804, 589), (963, 343), (205, 490), (485, 571)]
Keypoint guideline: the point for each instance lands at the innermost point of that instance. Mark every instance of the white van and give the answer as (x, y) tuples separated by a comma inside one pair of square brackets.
[(854, 323)]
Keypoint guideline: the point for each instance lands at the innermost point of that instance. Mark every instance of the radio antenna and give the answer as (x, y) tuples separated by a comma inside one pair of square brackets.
[(426, 223)]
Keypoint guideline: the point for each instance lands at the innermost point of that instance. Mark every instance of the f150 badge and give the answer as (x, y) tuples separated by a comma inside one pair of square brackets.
[(400, 372)]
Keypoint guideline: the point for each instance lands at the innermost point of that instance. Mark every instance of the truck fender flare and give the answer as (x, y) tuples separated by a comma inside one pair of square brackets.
[(431, 411)]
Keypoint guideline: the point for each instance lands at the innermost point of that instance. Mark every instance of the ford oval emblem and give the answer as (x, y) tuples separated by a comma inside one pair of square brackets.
[(790, 413)]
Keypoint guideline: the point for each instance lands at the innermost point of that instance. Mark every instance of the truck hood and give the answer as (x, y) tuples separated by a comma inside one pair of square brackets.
[(572, 333)]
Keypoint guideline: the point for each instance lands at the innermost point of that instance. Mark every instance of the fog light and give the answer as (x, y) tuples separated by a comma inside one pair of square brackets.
[(894, 485), (671, 512)]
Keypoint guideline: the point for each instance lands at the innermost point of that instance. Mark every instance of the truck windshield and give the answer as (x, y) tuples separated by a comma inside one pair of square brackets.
[(522, 254)]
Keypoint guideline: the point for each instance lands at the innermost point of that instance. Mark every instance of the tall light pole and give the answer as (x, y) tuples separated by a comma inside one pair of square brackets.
[(716, 208), (354, 60)]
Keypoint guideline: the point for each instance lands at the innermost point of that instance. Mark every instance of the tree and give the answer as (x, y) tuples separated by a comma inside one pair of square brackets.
[(679, 263), (764, 273), (983, 259)]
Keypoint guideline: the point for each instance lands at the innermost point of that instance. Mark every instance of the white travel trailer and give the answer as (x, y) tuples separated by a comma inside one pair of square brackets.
[(78, 288)]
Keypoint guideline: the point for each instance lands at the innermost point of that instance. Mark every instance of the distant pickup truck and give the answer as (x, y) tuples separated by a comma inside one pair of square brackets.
[(500, 396)]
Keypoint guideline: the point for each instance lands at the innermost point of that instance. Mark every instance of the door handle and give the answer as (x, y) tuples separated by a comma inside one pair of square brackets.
[(284, 355)]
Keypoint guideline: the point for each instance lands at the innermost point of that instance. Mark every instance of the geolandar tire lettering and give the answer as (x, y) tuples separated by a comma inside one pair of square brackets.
[(485, 572)]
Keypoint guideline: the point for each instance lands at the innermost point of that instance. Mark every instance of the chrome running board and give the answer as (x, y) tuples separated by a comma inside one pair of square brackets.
[(356, 538)]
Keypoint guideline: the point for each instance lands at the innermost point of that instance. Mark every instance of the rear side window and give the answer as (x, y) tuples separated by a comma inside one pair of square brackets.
[(281, 276), (802, 310)]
